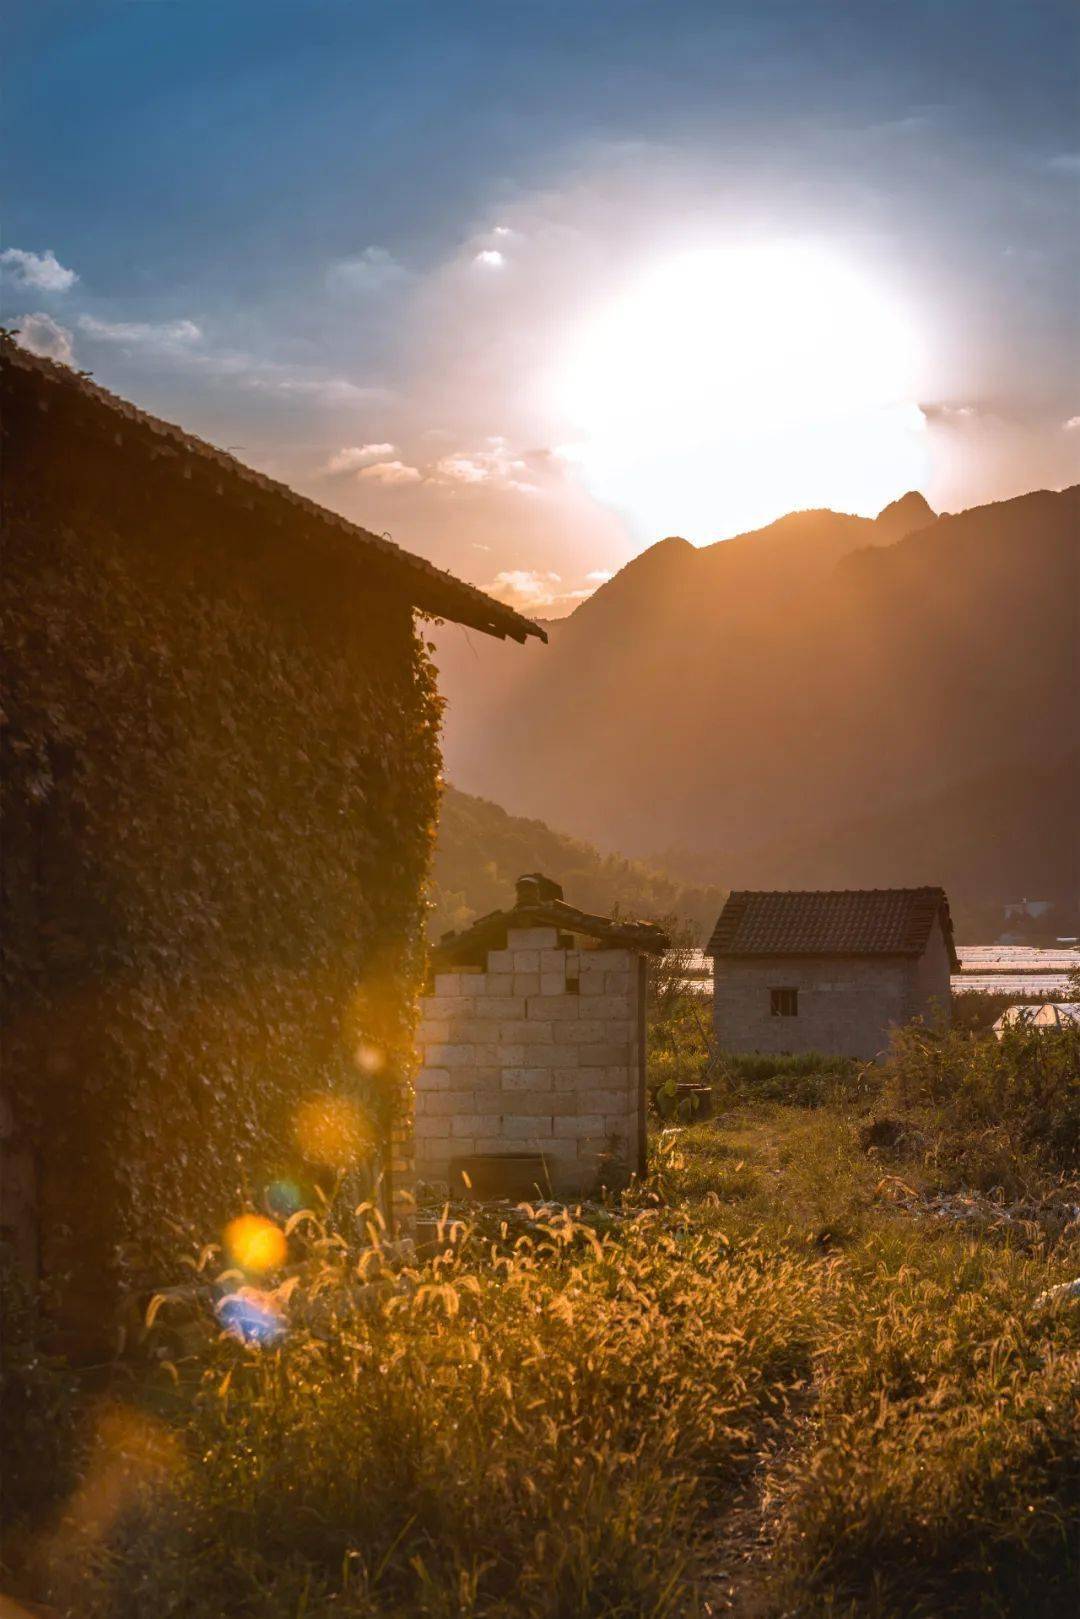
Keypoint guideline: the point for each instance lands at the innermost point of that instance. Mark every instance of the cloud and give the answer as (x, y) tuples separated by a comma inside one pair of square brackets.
[(950, 414), (40, 270), (40, 334), (599, 575), (391, 472), (490, 258), (373, 270), (1065, 163), (182, 342), (353, 457), (1072, 425), (169, 334), (496, 466), (522, 587)]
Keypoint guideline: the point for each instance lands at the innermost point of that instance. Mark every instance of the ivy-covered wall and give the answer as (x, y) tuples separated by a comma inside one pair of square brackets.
[(220, 756)]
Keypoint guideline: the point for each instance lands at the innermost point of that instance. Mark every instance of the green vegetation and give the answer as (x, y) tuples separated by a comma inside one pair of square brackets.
[(481, 851), (805, 1369)]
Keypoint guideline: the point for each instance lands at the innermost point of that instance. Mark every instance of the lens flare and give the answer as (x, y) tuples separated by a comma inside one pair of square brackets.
[(252, 1316), (284, 1198), (370, 1059), (255, 1244), (333, 1130)]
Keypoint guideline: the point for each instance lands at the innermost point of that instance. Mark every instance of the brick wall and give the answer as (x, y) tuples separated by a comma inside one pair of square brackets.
[(542, 1052), (846, 1004)]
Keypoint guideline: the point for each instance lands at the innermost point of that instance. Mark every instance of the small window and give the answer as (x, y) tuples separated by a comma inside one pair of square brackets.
[(573, 985), (784, 1002)]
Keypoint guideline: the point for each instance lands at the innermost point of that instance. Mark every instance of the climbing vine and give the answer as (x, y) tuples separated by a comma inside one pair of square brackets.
[(220, 762)]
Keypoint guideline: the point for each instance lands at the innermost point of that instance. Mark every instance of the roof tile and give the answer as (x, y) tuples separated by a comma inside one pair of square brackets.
[(836, 922)]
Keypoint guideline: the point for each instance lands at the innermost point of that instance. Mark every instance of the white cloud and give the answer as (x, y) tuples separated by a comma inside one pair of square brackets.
[(523, 587), (1073, 424), (373, 270), (355, 456), (181, 342), (502, 230), (41, 270), (391, 472), (497, 467), (599, 575), (169, 334), (490, 258), (40, 334)]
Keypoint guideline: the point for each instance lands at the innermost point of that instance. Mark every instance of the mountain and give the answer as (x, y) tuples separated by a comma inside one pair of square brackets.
[(481, 851), (765, 693), (1003, 835)]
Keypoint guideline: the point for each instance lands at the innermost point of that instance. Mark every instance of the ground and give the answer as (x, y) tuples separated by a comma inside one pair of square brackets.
[(808, 1369)]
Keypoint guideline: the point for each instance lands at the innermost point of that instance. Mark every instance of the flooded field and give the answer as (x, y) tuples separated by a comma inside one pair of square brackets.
[(993, 968), (1019, 968)]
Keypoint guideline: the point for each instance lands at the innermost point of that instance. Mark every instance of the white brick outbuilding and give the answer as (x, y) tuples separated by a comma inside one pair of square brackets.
[(533, 1041)]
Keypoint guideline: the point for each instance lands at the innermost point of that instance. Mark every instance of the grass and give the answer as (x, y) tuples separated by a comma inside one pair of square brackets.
[(777, 1362)]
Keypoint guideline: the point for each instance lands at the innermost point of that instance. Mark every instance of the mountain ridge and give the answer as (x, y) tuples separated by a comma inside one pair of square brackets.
[(770, 688)]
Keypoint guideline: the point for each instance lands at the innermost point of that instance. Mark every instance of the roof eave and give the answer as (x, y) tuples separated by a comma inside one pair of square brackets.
[(430, 590)]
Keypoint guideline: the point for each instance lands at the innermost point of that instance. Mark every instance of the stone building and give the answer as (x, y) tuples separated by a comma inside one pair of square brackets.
[(828, 971), (533, 1050), (220, 776)]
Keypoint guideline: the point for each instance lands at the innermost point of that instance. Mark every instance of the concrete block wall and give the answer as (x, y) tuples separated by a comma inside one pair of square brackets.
[(540, 1052), (846, 1004)]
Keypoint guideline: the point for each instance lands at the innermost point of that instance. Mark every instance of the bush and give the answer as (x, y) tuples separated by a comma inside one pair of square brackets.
[(1019, 1097)]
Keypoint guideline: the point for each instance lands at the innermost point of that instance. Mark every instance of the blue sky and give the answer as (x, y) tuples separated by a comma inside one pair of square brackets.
[(378, 247)]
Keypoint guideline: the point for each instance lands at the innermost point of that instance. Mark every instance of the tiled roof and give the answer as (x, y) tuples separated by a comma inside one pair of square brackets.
[(838, 922), (31, 380), (489, 932)]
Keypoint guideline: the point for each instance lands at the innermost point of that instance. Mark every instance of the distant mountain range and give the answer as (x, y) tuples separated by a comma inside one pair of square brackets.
[(831, 699)]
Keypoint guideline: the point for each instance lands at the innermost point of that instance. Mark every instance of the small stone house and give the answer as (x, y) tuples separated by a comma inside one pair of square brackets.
[(828, 971), (532, 1045), (219, 779)]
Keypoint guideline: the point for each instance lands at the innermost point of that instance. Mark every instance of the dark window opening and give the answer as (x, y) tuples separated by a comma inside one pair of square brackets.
[(784, 1002), (573, 986)]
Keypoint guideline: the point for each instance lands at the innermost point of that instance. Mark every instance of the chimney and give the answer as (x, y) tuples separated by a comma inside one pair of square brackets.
[(536, 889)]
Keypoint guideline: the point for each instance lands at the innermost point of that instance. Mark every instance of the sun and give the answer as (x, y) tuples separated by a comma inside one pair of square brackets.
[(722, 387)]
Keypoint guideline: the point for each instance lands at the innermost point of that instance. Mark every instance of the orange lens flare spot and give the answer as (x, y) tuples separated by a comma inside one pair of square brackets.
[(332, 1130), (370, 1059), (255, 1244)]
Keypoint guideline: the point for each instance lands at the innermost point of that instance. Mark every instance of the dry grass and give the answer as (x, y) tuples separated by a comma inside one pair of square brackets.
[(565, 1424)]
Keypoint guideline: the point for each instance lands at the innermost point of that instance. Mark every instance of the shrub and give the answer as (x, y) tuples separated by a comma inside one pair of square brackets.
[(1021, 1092)]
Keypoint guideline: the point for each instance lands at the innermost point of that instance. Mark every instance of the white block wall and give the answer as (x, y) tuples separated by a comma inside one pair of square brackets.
[(513, 1061)]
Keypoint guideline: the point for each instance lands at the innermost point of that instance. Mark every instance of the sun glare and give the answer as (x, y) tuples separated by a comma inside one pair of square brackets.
[(723, 387)]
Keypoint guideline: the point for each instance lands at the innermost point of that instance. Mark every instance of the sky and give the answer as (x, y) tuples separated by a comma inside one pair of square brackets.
[(529, 285)]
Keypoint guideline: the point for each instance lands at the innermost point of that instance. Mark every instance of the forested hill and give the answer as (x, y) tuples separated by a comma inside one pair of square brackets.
[(481, 851)]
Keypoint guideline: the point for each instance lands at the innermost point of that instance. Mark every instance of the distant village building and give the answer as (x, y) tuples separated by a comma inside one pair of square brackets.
[(220, 778), (532, 1043), (828, 971)]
